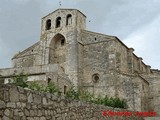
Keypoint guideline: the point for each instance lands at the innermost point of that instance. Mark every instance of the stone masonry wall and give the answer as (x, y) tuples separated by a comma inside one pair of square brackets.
[(20, 104), (154, 91)]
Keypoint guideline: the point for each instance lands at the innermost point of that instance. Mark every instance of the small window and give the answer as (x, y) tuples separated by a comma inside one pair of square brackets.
[(62, 69), (48, 24), (95, 38), (95, 78), (69, 19), (58, 22), (62, 42), (65, 89), (49, 80)]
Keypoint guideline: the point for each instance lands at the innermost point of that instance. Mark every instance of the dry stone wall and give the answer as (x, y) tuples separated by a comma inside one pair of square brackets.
[(20, 104)]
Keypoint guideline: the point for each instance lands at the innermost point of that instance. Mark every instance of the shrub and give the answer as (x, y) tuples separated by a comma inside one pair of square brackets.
[(19, 80), (114, 102), (98, 100), (71, 93), (52, 88), (35, 86), (86, 96)]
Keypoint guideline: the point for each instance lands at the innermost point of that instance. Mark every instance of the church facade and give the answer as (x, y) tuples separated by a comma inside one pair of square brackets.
[(69, 55)]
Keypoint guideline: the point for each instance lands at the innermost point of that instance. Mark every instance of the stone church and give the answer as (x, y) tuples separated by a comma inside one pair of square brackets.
[(69, 55)]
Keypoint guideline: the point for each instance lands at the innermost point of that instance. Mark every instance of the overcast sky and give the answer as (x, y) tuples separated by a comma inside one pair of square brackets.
[(135, 22)]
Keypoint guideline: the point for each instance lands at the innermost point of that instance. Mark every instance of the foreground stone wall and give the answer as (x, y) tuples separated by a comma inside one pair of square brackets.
[(20, 104)]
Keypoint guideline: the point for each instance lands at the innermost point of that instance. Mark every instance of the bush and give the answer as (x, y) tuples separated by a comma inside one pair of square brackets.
[(71, 93), (114, 102), (19, 80), (86, 96), (35, 86), (52, 88), (98, 100)]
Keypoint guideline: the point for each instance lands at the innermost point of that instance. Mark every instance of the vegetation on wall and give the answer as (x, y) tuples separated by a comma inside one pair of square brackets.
[(87, 96), (21, 80), (1, 79), (51, 87)]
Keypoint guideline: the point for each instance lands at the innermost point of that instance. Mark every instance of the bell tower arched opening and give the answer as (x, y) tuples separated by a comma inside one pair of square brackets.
[(69, 19), (58, 22), (48, 24), (57, 50)]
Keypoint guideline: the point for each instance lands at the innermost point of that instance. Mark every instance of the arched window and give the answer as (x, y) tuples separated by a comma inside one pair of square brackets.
[(62, 42), (58, 22), (48, 24), (69, 19)]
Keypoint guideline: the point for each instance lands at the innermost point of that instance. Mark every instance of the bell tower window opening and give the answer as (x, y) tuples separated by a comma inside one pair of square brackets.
[(58, 22), (69, 19), (48, 24)]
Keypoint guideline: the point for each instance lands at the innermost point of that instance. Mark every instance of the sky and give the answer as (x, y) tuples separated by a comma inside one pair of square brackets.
[(135, 22)]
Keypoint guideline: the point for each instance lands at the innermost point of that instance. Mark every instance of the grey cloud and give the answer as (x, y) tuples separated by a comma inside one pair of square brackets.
[(19, 27)]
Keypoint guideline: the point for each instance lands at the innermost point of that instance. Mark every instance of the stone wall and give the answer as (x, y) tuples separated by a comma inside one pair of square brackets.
[(104, 61), (29, 57), (20, 104), (154, 92)]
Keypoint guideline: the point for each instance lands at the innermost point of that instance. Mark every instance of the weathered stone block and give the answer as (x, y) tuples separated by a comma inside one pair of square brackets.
[(37, 99), (45, 101), (21, 90), (23, 118), (42, 118), (39, 113), (5, 118), (2, 104), (11, 105), (6, 96), (26, 112), (31, 113), (21, 113), (6, 112), (16, 112), (30, 98), (36, 118), (14, 94), (22, 97)]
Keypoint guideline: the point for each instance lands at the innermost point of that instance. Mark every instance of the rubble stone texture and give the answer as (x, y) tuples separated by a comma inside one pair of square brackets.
[(69, 55), (43, 107)]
